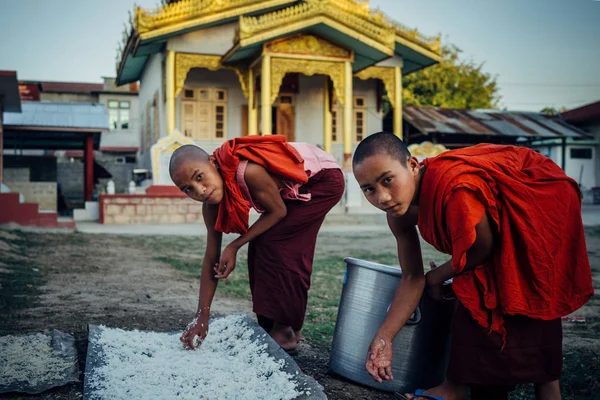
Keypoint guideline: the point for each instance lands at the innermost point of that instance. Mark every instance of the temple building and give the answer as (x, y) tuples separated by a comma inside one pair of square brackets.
[(315, 71)]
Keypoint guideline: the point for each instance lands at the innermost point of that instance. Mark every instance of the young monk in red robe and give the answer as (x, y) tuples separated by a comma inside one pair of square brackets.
[(511, 220), (293, 186)]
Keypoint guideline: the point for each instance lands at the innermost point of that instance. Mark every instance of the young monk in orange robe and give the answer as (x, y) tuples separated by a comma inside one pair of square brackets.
[(293, 186), (511, 220)]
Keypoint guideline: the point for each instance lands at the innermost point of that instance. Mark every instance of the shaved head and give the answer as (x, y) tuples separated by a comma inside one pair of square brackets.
[(184, 154), (381, 143)]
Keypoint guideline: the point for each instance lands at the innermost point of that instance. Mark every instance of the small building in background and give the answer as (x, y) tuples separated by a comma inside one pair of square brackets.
[(587, 118), (122, 141), (115, 157), (573, 149)]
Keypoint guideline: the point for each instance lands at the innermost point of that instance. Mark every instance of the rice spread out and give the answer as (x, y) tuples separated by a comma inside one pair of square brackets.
[(228, 365), (31, 359)]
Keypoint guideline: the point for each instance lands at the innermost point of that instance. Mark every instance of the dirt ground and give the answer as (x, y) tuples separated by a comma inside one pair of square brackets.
[(66, 281)]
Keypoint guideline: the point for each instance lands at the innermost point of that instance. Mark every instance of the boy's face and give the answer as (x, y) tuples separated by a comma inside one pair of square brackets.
[(200, 180), (387, 184)]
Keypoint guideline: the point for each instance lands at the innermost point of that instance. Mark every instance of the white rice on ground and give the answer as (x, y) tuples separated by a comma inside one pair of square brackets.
[(228, 365), (31, 359)]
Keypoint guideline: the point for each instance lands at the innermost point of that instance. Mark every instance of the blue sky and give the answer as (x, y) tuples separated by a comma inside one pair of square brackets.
[(544, 52)]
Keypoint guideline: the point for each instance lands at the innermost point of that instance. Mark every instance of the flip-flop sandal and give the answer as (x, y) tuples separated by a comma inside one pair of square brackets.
[(420, 394)]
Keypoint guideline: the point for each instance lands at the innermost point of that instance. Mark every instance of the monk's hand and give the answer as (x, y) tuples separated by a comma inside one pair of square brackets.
[(226, 264), (195, 333), (379, 359)]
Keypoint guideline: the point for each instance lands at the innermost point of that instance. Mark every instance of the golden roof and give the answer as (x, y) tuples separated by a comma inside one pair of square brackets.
[(373, 22)]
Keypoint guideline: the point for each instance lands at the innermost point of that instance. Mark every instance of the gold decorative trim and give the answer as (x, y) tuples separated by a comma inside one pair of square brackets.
[(282, 66), (308, 45), (352, 13), (304, 24), (346, 12), (385, 74), (189, 10), (244, 79), (413, 35), (352, 17), (184, 62)]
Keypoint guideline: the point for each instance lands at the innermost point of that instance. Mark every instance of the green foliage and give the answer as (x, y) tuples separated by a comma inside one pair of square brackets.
[(551, 111), (453, 83)]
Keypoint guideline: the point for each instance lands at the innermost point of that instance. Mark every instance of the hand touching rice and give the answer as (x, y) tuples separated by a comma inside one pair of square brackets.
[(195, 333)]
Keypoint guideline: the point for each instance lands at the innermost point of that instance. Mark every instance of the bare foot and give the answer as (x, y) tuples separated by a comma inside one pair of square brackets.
[(447, 391), (299, 336), (284, 336)]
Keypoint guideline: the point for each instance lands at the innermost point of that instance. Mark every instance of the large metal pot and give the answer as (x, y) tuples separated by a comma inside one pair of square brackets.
[(420, 350)]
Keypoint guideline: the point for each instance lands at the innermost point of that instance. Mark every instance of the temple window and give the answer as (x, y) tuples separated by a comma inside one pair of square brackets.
[(360, 117), (204, 113)]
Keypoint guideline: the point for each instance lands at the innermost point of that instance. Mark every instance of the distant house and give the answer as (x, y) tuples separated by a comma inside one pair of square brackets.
[(587, 118), (117, 148), (569, 146), (122, 141)]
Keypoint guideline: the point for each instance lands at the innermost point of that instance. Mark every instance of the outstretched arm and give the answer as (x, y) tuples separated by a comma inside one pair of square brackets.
[(265, 189), (208, 283), (405, 300)]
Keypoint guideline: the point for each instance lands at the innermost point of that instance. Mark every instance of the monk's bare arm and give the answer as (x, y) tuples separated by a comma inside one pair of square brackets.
[(412, 283), (479, 253), (265, 189), (208, 282)]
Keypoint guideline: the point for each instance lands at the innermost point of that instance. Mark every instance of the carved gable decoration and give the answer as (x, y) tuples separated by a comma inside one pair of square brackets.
[(308, 45)]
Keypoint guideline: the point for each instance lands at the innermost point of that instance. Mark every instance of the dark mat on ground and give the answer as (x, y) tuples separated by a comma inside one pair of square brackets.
[(36, 362)]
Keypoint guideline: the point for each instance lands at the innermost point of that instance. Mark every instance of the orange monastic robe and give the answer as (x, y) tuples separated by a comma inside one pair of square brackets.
[(540, 266), (273, 153)]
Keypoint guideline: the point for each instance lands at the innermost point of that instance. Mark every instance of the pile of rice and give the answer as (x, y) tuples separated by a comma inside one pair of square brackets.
[(228, 365), (30, 360)]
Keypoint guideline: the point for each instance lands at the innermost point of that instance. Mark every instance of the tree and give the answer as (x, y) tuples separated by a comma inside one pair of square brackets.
[(552, 112), (453, 83)]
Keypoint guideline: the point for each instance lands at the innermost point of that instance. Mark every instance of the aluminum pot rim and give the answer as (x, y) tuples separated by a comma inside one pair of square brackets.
[(386, 269)]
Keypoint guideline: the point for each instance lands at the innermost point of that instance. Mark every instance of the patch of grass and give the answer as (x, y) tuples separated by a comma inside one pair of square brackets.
[(19, 285), (23, 240), (323, 299), (192, 267), (78, 239), (236, 286), (581, 376), (170, 245)]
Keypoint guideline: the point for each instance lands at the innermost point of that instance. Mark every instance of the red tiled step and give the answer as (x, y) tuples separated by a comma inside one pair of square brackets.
[(28, 214)]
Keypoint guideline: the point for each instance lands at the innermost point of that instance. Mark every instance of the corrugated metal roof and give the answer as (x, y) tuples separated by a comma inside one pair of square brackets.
[(430, 120), (587, 113), (59, 115)]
